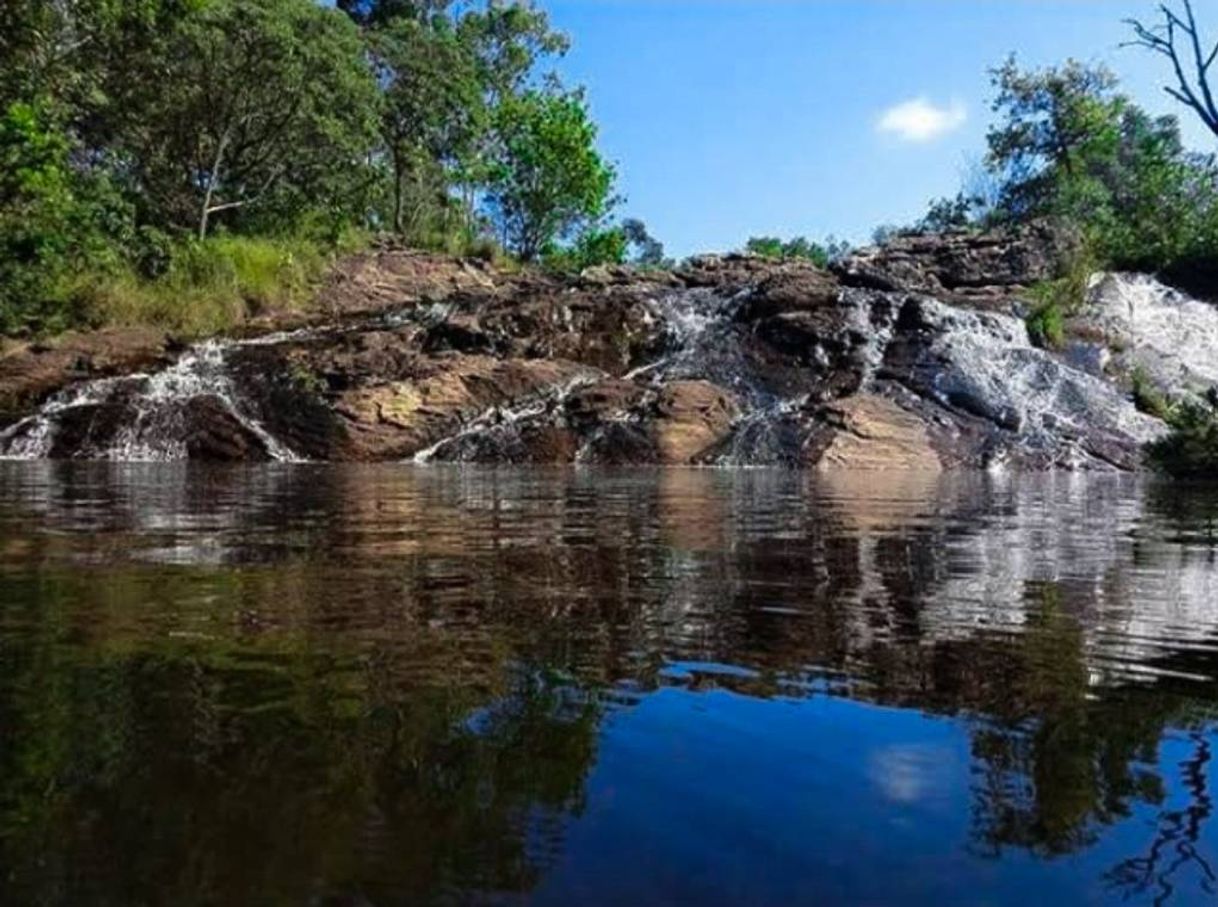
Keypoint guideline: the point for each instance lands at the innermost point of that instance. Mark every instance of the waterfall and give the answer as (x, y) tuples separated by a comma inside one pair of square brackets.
[(141, 417), (772, 363)]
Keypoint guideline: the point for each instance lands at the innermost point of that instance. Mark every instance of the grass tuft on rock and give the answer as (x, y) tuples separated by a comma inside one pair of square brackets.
[(1058, 300)]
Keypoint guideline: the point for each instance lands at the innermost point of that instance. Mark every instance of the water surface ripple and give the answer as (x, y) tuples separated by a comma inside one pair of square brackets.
[(305, 684)]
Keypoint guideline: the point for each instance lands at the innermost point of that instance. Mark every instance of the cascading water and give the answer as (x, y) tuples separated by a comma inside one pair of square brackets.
[(705, 343), (700, 342), (141, 417), (497, 430)]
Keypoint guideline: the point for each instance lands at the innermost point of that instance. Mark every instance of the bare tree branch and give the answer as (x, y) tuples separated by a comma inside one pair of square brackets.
[(1178, 37)]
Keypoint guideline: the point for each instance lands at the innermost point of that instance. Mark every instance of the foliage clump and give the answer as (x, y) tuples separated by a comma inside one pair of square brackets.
[(1191, 448), (798, 248), (1057, 300), (143, 142), (1068, 147), (1147, 397)]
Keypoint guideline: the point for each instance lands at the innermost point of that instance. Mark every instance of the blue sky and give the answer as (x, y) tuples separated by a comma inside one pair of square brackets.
[(729, 118)]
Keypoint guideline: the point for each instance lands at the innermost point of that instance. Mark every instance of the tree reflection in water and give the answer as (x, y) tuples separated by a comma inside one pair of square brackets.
[(393, 685), (1176, 838)]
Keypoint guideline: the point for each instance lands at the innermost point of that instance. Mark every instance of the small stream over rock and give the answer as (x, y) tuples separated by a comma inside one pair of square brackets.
[(149, 417), (728, 361)]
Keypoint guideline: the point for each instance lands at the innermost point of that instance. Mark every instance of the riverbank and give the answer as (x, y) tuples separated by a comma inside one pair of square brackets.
[(915, 356)]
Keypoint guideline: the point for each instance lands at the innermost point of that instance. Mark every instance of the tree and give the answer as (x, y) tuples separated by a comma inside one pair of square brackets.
[(382, 12), (1070, 147), (1190, 64), (1052, 121), (261, 103), (547, 178), (52, 219), (947, 214), (644, 248), (509, 40), (433, 111)]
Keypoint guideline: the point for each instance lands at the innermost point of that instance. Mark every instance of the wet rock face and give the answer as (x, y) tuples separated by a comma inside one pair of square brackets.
[(1036, 409), (1132, 323), (903, 358), (32, 372), (868, 432)]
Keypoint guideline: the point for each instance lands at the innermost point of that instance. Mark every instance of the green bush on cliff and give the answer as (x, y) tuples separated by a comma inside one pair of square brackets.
[(1058, 299), (1191, 449), (1047, 326), (1147, 397), (207, 285)]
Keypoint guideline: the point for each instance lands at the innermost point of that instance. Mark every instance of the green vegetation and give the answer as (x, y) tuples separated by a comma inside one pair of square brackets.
[(547, 180), (798, 248), (208, 285), (1047, 326), (630, 243), (1059, 299), (1147, 397), (1192, 447), (1068, 147), (191, 162)]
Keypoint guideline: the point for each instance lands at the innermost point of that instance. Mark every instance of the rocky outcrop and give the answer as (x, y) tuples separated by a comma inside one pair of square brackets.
[(903, 358), (691, 417), (1132, 324), (968, 268)]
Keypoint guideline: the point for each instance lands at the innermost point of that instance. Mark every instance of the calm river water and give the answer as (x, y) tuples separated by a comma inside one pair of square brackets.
[(409, 685)]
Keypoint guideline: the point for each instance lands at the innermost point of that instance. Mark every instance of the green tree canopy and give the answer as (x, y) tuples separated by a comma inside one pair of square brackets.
[(261, 103), (434, 113), (547, 178), (1068, 145)]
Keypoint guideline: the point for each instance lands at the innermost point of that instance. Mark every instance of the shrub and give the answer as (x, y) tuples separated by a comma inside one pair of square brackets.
[(798, 248), (1047, 326), (1146, 396), (593, 247), (1191, 449), (1059, 299)]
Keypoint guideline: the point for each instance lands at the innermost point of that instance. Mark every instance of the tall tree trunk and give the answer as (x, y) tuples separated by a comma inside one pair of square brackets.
[(398, 176), (212, 179)]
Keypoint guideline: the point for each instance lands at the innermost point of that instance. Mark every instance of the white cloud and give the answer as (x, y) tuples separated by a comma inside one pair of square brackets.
[(919, 120)]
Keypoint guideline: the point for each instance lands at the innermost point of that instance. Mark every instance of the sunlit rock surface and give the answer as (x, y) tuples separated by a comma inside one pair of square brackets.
[(1168, 337)]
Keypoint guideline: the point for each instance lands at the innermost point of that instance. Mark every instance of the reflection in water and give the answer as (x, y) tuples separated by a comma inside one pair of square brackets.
[(400, 685)]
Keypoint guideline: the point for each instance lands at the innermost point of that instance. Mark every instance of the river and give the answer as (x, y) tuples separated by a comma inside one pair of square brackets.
[(404, 684)]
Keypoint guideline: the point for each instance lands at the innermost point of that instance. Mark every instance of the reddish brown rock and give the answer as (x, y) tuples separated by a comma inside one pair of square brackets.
[(691, 417), (30, 373), (869, 433), (398, 420)]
